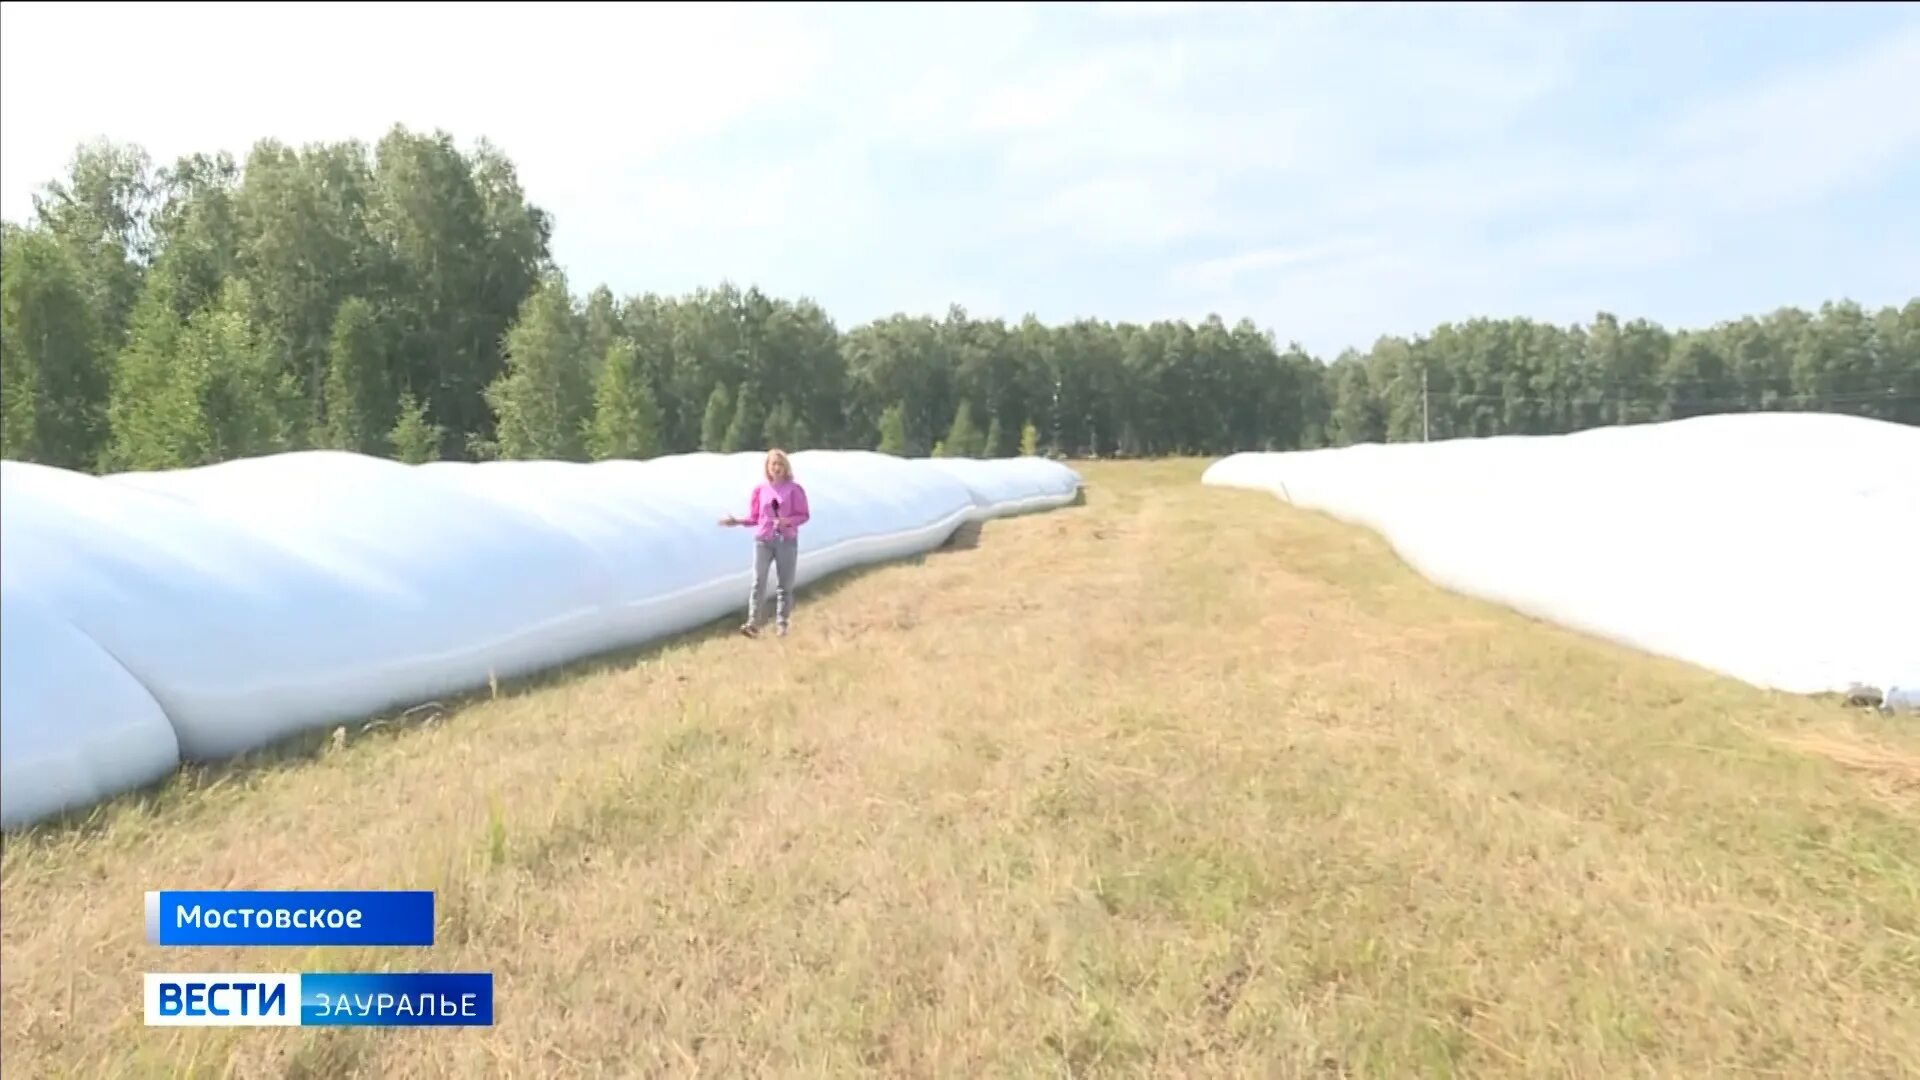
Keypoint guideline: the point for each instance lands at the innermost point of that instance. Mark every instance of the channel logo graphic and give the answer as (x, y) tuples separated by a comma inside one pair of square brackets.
[(321, 999)]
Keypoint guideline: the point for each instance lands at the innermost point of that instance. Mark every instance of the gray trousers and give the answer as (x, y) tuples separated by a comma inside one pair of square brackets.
[(784, 555)]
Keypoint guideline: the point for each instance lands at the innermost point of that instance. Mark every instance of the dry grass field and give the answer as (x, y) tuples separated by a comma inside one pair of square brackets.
[(1179, 782)]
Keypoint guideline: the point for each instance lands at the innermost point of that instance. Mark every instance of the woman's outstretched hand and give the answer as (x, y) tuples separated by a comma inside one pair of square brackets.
[(729, 521)]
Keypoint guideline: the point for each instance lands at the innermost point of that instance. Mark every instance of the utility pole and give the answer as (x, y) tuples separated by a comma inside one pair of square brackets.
[(1426, 426)]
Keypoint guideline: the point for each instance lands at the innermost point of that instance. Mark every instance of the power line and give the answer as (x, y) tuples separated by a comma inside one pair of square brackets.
[(1858, 398), (1788, 379), (1603, 381)]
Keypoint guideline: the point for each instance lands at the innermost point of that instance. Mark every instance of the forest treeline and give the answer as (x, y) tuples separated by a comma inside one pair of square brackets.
[(400, 299)]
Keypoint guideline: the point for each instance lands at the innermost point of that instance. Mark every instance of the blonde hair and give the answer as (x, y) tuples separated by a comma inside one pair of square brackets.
[(780, 456)]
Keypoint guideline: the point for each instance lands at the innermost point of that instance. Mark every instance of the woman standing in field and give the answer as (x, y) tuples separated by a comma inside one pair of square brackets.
[(775, 511)]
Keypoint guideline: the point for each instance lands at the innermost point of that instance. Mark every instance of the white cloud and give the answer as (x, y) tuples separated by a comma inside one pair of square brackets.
[(1494, 225), (1334, 171), (571, 92), (1619, 246), (1804, 137), (1223, 273), (1118, 213)]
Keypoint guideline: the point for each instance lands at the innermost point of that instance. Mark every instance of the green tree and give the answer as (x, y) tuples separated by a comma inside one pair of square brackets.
[(745, 431), (544, 402), (600, 326), (409, 263), (901, 362), (359, 401), (101, 213), (626, 420), (197, 230), (1898, 332), (1695, 378), (782, 428), (893, 432), (1356, 412), (298, 246), (463, 250), (54, 374), (198, 393), (963, 439), (414, 440), (249, 406), (713, 427), (151, 424)]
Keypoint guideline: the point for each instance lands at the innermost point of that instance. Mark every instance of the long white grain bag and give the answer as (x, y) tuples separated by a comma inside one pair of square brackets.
[(75, 726), (1779, 549), (260, 598), (1004, 487)]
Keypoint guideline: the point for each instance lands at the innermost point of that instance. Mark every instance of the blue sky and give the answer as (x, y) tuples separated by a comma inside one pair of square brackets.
[(1333, 172)]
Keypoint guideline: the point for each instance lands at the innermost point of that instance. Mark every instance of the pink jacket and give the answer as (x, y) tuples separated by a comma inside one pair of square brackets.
[(786, 500)]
